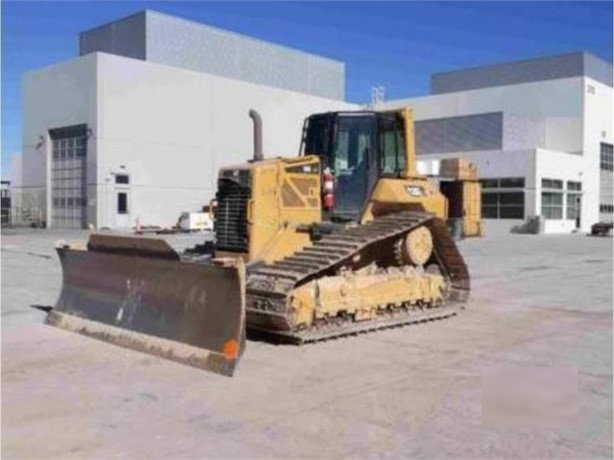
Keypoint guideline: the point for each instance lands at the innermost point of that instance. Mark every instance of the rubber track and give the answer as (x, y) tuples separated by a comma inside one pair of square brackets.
[(276, 282)]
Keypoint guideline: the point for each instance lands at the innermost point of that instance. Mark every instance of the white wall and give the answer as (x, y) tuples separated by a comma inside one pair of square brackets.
[(60, 95), (501, 163), (533, 165), (573, 118), (493, 163), (15, 174), (565, 167), (598, 120), (563, 134), (172, 129)]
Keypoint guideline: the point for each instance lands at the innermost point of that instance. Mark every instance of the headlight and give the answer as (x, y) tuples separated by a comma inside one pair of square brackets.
[(414, 190)]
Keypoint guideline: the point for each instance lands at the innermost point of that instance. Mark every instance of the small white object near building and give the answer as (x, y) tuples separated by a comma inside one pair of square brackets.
[(429, 167), (192, 221)]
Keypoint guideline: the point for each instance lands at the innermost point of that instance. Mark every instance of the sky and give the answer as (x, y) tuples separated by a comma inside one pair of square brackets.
[(397, 45)]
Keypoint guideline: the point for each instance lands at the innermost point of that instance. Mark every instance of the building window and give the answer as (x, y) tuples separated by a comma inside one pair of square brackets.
[(503, 198), (489, 183), (460, 134), (574, 186), (392, 158), (574, 203), (553, 184), (503, 205), (122, 179), (552, 205), (511, 182), (503, 182), (606, 158), (606, 208), (122, 203)]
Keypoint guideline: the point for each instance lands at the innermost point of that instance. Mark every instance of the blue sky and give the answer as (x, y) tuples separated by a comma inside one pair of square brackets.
[(396, 44)]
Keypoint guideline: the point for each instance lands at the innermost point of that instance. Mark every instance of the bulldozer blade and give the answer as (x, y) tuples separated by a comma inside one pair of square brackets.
[(138, 293)]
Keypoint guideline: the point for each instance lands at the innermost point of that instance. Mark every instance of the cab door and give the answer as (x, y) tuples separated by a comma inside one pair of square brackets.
[(352, 162)]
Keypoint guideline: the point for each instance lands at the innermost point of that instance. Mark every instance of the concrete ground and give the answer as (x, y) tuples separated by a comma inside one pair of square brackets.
[(537, 301)]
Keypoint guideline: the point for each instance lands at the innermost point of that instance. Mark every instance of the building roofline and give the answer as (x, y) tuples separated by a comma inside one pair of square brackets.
[(520, 61), (543, 68), (240, 35), (147, 11), (108, 23)]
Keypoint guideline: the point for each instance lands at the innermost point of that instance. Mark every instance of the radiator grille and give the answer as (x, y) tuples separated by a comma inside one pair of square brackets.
[(231, 216)]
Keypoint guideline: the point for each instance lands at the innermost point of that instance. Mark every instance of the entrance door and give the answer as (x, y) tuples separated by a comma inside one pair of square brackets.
[(352, 152), (68, 177), (578, 210), (122, 201)]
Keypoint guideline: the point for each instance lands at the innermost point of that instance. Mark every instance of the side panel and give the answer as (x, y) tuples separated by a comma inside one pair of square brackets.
[(285, 197), (472, 209), (263, 209), (394, 195)]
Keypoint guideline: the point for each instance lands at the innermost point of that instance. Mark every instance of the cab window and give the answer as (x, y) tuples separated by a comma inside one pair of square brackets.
[(352, 144), (392, 147)]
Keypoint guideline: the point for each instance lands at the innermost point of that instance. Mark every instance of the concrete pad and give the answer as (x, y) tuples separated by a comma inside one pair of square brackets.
[(413, 391)]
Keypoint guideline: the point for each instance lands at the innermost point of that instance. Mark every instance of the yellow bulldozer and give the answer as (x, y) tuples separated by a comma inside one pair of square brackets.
[(342, 239)]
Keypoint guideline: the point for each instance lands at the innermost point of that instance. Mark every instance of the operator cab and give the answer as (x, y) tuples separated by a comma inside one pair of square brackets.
[(355, 149)]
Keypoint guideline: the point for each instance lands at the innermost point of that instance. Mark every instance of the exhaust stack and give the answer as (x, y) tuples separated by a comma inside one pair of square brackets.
[(255, 116)]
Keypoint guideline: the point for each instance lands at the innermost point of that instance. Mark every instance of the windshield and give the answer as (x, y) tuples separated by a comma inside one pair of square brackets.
[(353, 141)]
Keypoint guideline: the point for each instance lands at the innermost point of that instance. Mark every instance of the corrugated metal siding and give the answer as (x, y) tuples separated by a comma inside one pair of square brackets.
[(181, 43), (598, 70), (125, 37), (460, 134), (546, 68), (326, 79)]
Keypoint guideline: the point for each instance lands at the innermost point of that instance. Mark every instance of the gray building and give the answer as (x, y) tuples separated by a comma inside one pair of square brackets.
[(164, 39)]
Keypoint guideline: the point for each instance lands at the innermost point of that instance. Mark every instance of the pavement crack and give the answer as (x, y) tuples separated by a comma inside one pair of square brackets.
[(28, 253)]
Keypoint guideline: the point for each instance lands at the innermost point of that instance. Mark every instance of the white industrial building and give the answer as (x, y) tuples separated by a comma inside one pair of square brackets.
[(136, 127), (539, 131)]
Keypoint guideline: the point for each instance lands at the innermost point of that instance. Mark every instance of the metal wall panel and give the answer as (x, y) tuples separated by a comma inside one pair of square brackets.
[(181, 43), (598, 70), (125, 37), (460, 134), (525, 71), (187, 44)]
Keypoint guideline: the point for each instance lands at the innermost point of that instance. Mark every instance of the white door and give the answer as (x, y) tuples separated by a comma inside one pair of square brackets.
[(122, 202)]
